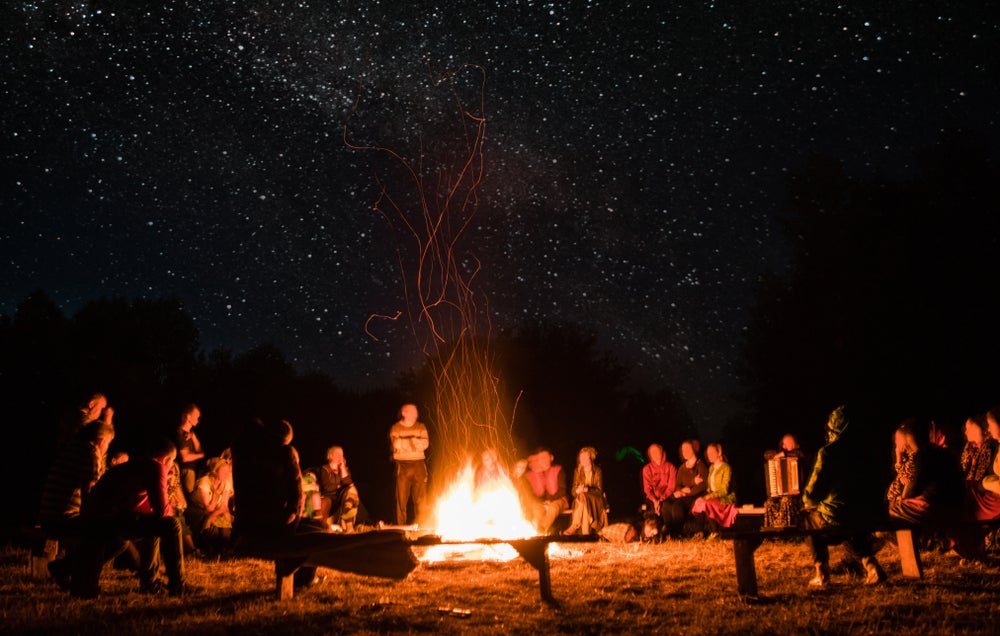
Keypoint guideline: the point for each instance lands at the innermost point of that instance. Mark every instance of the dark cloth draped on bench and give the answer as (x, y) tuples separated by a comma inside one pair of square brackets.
[(383, 553)]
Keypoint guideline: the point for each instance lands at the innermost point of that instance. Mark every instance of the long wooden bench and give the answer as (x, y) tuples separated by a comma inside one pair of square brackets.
[(534, 550), (746, 542)]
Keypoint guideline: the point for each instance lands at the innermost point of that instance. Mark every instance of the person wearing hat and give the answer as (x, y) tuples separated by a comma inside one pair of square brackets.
[(835, 498)]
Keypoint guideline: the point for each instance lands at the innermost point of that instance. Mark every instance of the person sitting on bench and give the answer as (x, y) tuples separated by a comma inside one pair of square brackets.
[(936, 486), (269, 522), (836, 501)]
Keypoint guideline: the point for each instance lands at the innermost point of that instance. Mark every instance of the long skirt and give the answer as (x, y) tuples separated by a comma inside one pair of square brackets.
[(980, 505), (720, 513), (784, 511), (590, 513)]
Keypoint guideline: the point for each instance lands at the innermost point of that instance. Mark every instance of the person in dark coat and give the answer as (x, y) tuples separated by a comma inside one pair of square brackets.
[(837, 497), (269, 521)]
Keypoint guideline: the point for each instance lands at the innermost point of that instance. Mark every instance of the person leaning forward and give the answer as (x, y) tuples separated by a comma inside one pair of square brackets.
[(130, 502), (269, 520)]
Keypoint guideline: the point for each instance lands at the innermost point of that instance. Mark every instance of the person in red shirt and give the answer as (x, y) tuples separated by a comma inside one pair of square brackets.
[(547, 491), (130, 502), (659, 478)]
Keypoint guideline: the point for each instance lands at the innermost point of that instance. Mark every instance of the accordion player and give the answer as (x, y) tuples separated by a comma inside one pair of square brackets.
[(783, 507), (782, 475)]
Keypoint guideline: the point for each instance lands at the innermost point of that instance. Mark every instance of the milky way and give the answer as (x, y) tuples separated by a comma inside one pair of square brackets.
[(635, 160)]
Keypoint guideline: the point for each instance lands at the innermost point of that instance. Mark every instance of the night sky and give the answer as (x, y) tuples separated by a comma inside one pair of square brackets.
[(635, 161)]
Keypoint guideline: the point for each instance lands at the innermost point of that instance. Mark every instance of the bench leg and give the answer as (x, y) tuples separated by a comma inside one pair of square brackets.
[(746, 569), (545, 582), (909, 556), (535, 552), (41, 555), (285, 582)]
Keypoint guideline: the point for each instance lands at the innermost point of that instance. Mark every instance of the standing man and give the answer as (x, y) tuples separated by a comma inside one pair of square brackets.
[(409, 441), (188, 448)]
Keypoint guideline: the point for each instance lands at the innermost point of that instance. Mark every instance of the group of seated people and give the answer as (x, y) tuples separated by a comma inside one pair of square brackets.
[(934, 484), (153, 509), (694, 497), (933, 487), (101, 504)]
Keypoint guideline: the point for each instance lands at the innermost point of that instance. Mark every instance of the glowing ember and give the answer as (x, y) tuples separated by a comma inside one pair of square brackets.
[(465, 513)]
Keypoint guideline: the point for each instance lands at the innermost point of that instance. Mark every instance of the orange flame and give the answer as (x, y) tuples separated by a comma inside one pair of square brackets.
[(467, 513)]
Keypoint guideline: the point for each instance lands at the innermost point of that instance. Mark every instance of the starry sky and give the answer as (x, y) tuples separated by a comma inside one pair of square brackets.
[(634, 166)]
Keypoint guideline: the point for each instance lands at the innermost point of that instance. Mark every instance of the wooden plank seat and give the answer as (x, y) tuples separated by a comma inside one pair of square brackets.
[(382, 553), (746, 542)]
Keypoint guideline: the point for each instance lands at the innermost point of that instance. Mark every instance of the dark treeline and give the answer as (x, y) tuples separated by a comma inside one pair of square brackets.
[(890, 305), (145, 356)]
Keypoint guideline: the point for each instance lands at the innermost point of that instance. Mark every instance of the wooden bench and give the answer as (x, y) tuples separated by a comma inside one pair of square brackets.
[(385, 553), (746, 542), (534, 550)]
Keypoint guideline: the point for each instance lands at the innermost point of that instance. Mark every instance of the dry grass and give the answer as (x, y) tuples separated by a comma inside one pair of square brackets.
[(676, 587)]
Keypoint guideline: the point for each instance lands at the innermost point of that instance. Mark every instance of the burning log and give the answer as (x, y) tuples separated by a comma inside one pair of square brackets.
[(534, 550)]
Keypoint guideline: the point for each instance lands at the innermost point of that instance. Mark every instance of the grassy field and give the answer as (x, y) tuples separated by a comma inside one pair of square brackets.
[(676, 587)]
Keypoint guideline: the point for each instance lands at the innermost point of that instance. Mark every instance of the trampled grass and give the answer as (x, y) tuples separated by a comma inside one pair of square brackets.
[(683, 586)]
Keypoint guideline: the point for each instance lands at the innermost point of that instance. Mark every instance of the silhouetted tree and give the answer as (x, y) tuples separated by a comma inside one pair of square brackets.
[(889, 302)]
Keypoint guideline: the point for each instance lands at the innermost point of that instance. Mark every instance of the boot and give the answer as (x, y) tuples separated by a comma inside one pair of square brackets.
[(822, 578), (874, 572)]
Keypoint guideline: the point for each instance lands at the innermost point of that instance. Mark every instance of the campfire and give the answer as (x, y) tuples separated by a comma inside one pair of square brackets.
[(467, 515), (488, 524)]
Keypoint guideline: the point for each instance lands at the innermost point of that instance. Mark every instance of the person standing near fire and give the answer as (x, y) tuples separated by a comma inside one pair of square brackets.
[(189, 450), (409, 440)]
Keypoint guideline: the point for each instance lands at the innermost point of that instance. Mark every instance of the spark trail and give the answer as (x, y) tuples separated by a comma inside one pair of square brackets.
[(431, 212)]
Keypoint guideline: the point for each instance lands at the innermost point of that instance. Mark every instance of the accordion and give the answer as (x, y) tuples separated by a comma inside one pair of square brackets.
[(782, 476)]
